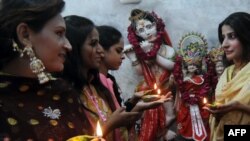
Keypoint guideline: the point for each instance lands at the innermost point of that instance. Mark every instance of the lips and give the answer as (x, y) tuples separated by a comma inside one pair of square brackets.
[(62, 56), (98, 59), (228, 52)]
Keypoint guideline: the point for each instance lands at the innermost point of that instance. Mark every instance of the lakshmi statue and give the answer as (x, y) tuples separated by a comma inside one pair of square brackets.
[(152, 56), (193, 87)]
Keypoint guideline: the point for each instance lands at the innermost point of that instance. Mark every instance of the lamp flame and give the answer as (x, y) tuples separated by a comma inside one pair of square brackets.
[(98, 129), (155, 86), (205, 100), (158, 91)]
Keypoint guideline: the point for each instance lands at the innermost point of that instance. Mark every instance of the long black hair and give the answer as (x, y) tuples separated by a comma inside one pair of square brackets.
[(35, 13), (77, 30), (240, 23), (109, 36)]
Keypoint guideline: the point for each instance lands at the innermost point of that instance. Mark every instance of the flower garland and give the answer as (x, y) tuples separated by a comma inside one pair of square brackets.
[(206, 86), (132, 37)]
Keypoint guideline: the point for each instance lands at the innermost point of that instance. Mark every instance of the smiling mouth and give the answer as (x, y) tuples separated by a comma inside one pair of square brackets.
[(63, 56), (228, 52)]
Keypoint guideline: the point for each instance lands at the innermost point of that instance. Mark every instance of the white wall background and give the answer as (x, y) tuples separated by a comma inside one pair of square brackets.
[(180, 16)]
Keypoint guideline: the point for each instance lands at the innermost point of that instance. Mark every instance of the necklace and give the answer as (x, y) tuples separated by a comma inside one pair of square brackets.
[(94, 100)]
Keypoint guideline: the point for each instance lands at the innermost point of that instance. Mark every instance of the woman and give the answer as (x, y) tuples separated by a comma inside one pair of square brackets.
[(34, 105), (85, 58), (152, 57), (232, 95), (112, 42), (96, 98)]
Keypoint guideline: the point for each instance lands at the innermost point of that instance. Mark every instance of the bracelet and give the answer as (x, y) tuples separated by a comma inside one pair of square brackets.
[(129, 106)]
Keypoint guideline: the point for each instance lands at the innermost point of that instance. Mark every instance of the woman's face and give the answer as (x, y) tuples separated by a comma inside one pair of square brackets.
[(231, 44), (146, 29), (50, 44), (91, 51), (114, 56)]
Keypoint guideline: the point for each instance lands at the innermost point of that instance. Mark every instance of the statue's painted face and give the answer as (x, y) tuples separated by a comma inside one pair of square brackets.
[(219, 67), (191, 68), (145, 29)]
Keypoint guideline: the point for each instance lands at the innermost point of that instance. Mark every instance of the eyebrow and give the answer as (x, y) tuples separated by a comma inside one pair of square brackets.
[(228, 33), (60, 27)]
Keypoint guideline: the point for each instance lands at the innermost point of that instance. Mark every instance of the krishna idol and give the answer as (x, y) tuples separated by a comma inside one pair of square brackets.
[(152, 56), (193, 73)]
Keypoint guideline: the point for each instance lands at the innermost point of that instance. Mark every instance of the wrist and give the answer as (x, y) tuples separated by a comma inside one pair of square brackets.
[(107, 127), (129, 105), (239, 106), (135, 62)]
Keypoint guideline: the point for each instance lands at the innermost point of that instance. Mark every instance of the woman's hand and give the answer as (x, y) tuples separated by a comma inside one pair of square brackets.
[(225, 108), (141, 105), (121, 118)]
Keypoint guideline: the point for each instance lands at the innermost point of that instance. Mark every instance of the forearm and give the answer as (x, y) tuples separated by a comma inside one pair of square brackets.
[(244, 108), (130, 104), (107, 127)]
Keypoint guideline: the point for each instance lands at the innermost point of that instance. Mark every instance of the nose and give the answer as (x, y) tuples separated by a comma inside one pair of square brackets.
[(100, 50), (67, 45), (147, 31), (225, 43), (123, 56)]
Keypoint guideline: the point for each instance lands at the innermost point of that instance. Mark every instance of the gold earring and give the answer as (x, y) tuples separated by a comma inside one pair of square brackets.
[(36, 65), (16, 48)]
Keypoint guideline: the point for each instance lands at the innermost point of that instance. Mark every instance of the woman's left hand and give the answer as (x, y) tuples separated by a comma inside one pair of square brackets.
[(225, 108), (141, 105)]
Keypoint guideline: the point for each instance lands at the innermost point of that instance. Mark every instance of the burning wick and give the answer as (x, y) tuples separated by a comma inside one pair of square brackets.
[(205, 100), (98, 130), (155, 86), (158, 91)]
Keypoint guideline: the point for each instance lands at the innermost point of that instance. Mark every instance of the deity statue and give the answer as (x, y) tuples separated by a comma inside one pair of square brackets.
[(193, 78), (152, 57), (216, 55)]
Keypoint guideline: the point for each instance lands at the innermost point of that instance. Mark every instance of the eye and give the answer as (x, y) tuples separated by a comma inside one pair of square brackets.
[(141, 30), (231, 36), (60, 33), (94, 42), (149, 26), (119, 51)]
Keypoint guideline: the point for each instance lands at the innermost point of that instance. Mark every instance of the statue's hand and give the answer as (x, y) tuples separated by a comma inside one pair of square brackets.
[(146, 46)]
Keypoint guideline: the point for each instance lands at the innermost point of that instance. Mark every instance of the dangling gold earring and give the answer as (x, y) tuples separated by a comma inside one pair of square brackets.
[(36, 65), (16, 48)]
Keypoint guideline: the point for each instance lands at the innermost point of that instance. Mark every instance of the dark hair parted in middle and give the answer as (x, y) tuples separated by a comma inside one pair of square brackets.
[(35, 13), (240, 23), (108, 36), (77, 32)]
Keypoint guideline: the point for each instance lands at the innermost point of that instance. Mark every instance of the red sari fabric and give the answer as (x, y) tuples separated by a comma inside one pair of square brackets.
[(183, 116), (192, 91), (153, 123)]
